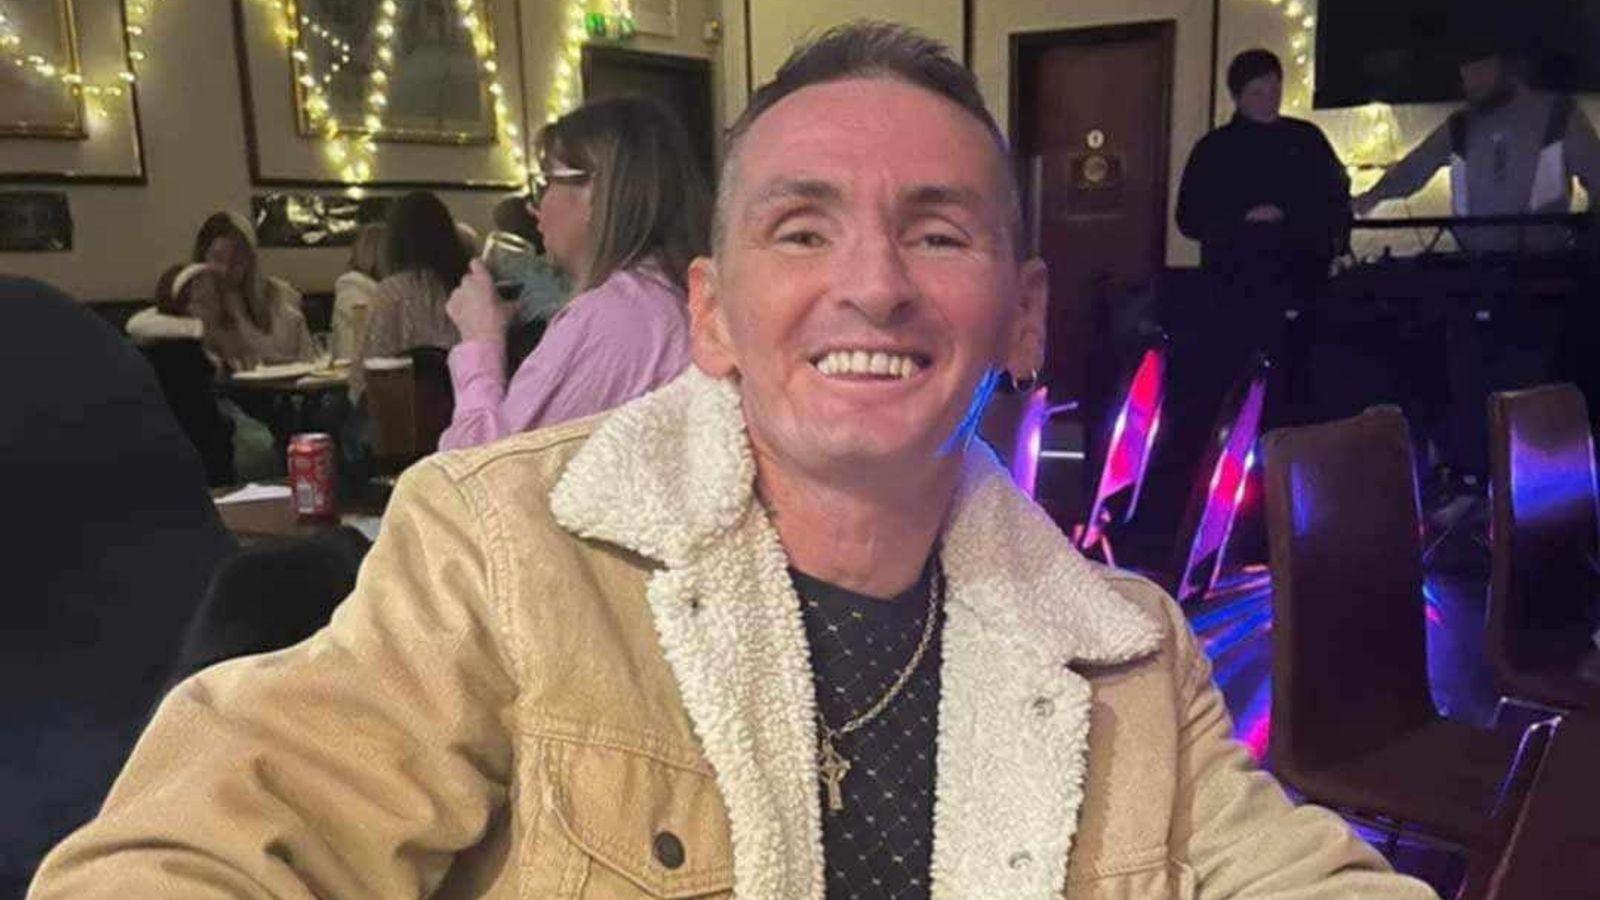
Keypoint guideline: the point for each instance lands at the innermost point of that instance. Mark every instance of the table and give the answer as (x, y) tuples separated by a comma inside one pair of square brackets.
[(256, 520), (287, 404)]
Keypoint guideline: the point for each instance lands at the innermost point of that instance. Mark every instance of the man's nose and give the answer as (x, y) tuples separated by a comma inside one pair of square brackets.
[(875, 280)]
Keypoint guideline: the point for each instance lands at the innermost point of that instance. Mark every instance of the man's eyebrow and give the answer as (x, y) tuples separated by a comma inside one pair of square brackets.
[(942, 195), (821, 191), (814, 189)]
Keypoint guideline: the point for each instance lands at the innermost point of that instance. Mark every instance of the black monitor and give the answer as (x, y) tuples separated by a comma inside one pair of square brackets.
[(1410, 51)]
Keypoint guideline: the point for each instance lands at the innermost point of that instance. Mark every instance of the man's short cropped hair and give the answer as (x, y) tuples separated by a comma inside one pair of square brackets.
[(867, 49), (1250, 65)]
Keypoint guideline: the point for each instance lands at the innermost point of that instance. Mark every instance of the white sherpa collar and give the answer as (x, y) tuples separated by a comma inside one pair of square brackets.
[(668, 473), (671, 476)]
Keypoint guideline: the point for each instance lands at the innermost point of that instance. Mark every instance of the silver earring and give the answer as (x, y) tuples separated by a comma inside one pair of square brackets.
[(1025, 385)]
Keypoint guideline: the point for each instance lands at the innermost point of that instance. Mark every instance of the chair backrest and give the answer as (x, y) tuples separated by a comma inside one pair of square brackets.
[(1543, 527), (1349, 655), (1509, 807), (435, 398), (271, 595), (1219, 486), (391, 401), (1013, 424), (187, 382), (1553, 850), (1132, 435)]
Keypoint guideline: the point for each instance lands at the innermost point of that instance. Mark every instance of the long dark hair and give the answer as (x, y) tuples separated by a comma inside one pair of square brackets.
[(166, 301), (224, 225), (649, 199), (422, 238)]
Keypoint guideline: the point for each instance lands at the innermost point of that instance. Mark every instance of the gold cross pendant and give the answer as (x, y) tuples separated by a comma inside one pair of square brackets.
[(833, 767)]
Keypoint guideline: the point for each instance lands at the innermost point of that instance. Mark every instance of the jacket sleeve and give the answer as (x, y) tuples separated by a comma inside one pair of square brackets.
[(1198, 215), (1409, 175), (1238, 830), (1332, 229), (1583, 154), (589, 360), (353, 765)]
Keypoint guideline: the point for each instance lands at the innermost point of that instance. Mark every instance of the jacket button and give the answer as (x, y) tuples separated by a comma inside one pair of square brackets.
[(1043, 707), (1020, 859), (669, 850)]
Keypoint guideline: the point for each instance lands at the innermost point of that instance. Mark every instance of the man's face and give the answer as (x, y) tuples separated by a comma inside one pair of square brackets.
[(1261, 97), (1482, 80), (866, 280)]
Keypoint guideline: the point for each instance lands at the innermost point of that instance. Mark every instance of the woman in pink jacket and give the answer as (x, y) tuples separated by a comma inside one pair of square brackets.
[(623, 209)]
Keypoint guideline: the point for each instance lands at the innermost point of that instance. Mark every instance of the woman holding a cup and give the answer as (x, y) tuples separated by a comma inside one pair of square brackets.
[(623, 208)]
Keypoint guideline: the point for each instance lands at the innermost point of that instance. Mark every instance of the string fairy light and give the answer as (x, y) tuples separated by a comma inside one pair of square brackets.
[(350, 148), (135, 14), (1376, 132), (70, 77), (564, 82), (506, 130), (1301, 25), (576, 29)]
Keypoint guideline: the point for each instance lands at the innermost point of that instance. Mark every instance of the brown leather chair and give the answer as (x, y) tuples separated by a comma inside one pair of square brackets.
[(1200, 548), (1544, 535), (1485, 857), (409, 401), (1011, 424), (1552, 850), (436, 399), (1353, 724)]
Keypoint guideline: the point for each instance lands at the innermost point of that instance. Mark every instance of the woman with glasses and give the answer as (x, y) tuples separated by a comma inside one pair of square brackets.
[(622, 208)]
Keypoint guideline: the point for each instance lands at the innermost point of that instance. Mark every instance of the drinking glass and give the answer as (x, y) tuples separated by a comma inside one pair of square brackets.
[(508, 256)]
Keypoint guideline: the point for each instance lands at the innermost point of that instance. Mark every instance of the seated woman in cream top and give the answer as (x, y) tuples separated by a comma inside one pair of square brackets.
[(266, 309)]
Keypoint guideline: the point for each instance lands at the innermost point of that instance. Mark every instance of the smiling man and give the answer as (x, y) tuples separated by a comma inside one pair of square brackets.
[(779, 631)]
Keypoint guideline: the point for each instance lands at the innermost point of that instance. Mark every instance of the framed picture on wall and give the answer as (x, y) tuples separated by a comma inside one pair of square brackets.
[(50, 131), (433, 87), (422, 85), (34, 104)]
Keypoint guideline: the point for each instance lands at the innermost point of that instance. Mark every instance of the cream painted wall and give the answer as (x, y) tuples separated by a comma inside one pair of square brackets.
[(777, 25), (195, 155)]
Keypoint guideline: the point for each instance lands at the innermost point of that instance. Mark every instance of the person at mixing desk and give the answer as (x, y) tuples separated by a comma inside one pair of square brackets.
[(1268, 200), (1511, 150)]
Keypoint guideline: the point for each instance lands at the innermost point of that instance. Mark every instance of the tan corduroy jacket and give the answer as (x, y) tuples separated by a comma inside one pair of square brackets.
[(572, 654)]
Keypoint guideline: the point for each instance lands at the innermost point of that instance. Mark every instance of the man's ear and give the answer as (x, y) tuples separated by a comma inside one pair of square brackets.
[(1025, 355), (709, 343)]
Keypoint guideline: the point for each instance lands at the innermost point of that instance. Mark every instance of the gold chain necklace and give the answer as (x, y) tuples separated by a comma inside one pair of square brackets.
[(833, 765)]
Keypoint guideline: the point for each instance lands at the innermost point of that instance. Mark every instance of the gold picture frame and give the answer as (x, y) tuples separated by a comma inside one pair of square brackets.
[(436, 91), (33, 105)]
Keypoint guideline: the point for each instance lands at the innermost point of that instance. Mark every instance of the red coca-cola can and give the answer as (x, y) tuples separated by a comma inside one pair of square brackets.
[(312, 480)]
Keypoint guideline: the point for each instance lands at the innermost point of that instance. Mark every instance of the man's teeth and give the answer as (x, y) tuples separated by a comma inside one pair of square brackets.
[(862, 362)]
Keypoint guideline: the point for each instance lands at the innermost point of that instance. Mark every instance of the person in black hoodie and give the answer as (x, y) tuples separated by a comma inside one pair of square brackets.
[(112, 540), (1269, 202)]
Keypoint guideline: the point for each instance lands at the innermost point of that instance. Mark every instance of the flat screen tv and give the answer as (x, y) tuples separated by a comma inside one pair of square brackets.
[(1409, 51)]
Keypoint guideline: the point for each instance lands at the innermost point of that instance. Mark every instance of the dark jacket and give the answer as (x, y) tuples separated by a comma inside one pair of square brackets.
[(111, 539), (1243, 164)]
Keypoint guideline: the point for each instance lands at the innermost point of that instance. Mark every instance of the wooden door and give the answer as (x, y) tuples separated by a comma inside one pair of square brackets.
[(1090, 119)]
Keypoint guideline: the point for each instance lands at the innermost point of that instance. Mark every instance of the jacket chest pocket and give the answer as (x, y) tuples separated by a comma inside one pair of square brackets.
[(633, 826)]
